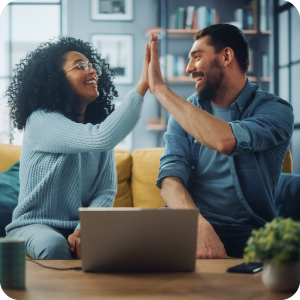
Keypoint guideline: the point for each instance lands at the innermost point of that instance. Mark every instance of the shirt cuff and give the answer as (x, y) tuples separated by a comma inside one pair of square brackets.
[(243, 138), (174, 170), (77, 227)]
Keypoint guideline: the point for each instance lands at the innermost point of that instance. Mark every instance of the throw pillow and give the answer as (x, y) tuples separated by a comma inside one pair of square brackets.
[(9, 193)]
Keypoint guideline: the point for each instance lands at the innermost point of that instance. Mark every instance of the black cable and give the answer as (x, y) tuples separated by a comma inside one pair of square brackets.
[(60, 269)]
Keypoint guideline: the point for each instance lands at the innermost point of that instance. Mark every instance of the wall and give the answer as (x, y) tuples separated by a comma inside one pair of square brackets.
[(79, 25)]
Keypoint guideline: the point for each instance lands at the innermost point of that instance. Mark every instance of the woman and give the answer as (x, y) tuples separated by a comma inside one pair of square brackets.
[(61, 95)]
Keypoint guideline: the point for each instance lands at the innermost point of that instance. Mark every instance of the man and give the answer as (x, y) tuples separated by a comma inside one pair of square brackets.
[(225, 146)]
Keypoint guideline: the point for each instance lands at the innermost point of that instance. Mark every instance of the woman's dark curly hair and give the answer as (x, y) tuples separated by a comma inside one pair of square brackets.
[(40, 83)]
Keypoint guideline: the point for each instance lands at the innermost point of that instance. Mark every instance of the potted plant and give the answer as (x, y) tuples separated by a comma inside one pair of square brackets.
[(277, 244)]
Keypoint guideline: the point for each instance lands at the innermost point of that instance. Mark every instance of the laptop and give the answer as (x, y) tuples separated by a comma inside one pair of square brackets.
[(138, 240)]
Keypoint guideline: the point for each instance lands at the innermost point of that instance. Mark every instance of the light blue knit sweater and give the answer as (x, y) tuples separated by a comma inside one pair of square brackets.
[(65, 165)]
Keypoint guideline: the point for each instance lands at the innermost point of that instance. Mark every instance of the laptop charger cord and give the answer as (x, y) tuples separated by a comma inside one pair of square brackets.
[(52, 268)]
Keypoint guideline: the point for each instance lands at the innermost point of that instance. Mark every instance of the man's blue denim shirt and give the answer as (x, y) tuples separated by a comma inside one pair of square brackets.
[(263, 125)]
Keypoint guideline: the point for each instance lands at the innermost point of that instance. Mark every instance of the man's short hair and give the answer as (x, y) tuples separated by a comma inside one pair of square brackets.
[(225, 35)]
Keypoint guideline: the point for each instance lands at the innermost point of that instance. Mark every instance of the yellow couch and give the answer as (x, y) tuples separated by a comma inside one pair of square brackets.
[(136, 171)]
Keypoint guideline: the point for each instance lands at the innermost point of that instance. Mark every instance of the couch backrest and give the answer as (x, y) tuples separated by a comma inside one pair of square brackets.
[(9, 155), (145, 168), (137, 173)]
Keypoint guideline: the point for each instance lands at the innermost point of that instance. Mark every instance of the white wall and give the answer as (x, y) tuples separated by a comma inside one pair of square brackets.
[(80, 25)]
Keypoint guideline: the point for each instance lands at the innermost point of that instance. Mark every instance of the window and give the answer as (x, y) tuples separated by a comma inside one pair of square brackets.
[(287, 66), (23, 26)]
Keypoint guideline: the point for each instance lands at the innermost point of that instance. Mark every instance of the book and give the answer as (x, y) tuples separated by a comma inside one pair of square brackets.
[(250, 69), (201, 17), (172, 21), (238, 16), (180, 69), (250, 20), (194, 25), (189, 17), (179, 17), (253, 8), (217, 18), (212, 16), (170, 65), (207, 17), (265, 66), (263, 15)]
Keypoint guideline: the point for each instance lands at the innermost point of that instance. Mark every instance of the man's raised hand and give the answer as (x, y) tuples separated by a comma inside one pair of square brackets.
[(154, 73)]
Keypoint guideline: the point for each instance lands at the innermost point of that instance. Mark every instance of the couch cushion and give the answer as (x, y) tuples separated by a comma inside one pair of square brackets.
[(123, 163), (287, 166), (287, 196), (9, 193), (9, 155), (145, 167)]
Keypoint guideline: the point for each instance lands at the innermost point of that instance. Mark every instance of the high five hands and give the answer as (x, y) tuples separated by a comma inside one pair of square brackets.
[(151, 75)]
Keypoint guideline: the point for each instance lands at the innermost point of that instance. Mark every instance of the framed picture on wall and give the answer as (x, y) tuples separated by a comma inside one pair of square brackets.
[(112, 10), (117, 50)]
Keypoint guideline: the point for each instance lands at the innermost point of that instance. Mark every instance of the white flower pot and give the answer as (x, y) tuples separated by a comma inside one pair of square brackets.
[(281, 279)]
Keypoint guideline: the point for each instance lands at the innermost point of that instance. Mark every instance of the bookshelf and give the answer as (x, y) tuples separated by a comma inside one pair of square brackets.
[(184, 33), (178, 41)]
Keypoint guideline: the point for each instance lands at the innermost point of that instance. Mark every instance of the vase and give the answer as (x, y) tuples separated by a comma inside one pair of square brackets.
[(285, 278)]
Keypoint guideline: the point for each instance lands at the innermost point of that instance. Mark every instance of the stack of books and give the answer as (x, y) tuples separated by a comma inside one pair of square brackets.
[(176, 66), (193, 18), (246, 17)]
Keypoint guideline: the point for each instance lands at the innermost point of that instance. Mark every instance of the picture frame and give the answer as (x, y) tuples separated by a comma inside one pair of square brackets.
[(117, 50), (112, 10)]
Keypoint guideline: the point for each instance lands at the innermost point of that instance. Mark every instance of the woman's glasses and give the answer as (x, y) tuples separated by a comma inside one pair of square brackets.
[(85, 68)]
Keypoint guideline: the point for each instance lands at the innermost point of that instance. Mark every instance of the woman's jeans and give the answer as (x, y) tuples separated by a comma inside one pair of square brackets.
[(43, 241)]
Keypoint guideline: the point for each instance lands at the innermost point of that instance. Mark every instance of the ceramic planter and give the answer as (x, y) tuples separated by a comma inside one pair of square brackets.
[(281, 279)]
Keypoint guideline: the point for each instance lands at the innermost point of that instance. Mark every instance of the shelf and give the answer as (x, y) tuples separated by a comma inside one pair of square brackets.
[(187, 79), (155, 124), (183, 33), (182, 79), (266, 79)]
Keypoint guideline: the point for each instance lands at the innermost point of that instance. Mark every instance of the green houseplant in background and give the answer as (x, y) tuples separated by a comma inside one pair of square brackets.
[(277, 244)]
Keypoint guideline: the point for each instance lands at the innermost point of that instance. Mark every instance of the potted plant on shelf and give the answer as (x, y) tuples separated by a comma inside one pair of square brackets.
[(277, 244)]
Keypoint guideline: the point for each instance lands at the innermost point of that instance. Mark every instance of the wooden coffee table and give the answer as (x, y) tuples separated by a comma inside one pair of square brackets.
[(209, 281)]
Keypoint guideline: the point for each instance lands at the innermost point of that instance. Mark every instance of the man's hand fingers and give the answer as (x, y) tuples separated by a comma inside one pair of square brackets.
[(147, 55), (78, 248), (154, 51), (71, 243)]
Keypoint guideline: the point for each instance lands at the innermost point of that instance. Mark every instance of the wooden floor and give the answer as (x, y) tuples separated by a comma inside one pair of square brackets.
[(209, 281)]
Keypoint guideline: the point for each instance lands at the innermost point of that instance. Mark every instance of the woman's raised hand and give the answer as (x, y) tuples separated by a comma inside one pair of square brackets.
[(143, 84)]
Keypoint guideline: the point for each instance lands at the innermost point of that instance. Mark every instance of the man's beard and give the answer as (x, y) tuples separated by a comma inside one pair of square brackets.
[(213, 81)]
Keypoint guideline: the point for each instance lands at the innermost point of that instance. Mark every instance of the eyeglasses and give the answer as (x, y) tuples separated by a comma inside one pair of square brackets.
[(85, 68)]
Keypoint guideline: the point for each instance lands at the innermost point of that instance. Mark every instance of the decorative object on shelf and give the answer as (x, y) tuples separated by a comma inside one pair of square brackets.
[(117, 50), (112, 10), (277, 244)]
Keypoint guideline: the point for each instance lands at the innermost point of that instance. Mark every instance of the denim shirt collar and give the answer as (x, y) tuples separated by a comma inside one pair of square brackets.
[(241, 100)]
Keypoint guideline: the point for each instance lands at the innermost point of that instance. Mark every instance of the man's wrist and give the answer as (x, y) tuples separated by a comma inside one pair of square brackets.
[(160, 90)]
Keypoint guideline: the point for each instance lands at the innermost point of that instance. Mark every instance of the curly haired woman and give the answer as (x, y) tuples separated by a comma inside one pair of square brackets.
[(61, 95)]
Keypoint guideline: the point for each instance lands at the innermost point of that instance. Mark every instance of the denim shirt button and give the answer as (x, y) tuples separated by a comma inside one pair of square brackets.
[(195, 141), (193, 167)]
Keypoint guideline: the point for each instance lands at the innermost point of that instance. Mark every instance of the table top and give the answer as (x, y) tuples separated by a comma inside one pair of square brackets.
[(209, 281)]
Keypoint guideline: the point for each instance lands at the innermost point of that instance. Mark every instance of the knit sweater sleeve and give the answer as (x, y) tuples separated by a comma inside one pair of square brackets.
[(105, 193), (53, 132)]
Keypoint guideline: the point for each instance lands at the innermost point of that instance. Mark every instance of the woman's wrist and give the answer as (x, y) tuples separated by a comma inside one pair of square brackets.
[(142, 88)]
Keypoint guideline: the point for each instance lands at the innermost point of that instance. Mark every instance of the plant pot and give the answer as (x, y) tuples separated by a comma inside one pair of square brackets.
[(281, 279)]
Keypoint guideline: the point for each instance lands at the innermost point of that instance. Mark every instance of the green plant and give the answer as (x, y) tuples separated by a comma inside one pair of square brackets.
[(278, 241)]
